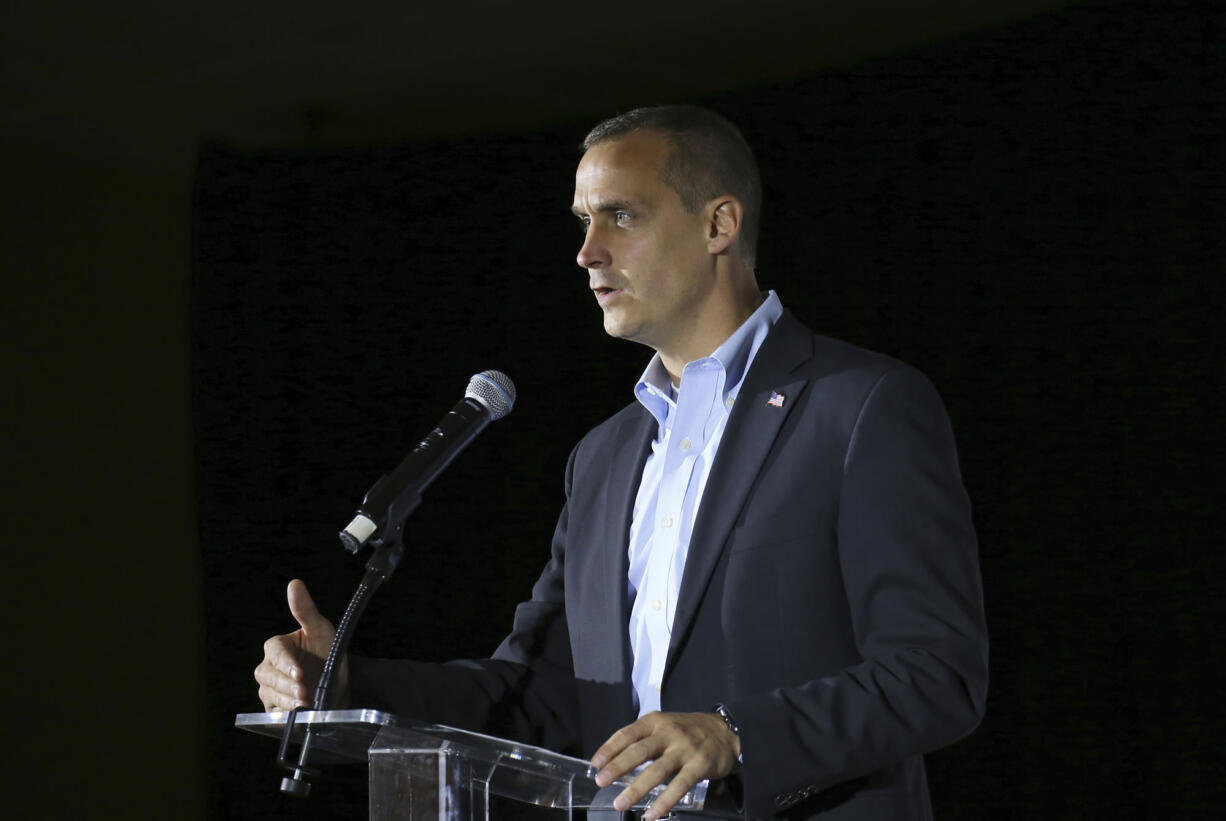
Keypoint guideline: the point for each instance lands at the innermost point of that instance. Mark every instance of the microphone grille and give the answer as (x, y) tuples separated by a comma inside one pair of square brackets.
[(494, 390)]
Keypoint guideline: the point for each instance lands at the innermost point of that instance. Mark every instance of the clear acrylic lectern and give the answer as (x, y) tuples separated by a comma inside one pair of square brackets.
[(430, 772)]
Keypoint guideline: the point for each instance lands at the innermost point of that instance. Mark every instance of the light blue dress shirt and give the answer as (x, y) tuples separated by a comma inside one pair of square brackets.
[(691, 423)]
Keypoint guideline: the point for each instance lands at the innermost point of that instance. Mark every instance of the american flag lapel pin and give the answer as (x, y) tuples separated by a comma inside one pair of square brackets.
[(776, 400)]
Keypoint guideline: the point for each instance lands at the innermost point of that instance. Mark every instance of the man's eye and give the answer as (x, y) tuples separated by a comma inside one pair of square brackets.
[(584, 222), (623, 217)]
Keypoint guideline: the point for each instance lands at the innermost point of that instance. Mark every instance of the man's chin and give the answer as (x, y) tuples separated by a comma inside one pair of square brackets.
[(618, 328), (630, 335), (611, 324)]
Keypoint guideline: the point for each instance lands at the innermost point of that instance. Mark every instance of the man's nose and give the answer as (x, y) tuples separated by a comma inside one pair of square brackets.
[(593, 253)]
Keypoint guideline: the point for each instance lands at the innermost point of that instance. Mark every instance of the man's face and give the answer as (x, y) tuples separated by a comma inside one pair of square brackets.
[(647, 258)]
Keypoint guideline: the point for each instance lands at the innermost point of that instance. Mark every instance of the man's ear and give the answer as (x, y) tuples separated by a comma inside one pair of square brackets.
[(725, 224)]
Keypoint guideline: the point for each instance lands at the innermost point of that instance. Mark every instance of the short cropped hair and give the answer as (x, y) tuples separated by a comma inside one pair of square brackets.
[(709, 158)]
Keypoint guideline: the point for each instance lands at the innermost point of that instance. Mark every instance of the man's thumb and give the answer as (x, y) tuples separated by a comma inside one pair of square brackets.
[(302, 608)]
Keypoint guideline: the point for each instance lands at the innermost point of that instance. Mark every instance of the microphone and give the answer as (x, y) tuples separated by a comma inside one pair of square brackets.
[(490, 396)]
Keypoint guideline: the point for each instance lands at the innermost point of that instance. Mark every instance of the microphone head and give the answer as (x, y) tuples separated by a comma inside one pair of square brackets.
[(494, 390)]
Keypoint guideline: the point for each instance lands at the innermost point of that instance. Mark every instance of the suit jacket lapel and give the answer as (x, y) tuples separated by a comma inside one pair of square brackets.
[(632, 443), (751, 431)]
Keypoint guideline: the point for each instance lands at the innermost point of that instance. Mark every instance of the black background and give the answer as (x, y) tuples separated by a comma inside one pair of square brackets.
[(1032, 217)]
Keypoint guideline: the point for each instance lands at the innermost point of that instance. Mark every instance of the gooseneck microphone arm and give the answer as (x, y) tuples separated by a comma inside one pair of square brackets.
[(378, 569), (380, 522)]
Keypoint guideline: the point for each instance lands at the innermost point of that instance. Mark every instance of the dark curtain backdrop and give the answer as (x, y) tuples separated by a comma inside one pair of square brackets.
[(1032, 216)]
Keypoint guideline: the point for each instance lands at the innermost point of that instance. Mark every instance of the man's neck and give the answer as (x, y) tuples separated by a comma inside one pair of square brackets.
[(715, 333)]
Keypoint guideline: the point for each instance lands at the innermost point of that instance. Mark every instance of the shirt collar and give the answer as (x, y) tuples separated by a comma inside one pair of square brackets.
[(654, 389), (739, 349)]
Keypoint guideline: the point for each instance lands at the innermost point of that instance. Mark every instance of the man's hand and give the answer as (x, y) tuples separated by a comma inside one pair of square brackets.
[(687, 746), (293, 662)]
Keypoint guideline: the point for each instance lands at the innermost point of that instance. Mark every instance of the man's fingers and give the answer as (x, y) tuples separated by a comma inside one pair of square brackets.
[(302, 608), (619, 741), (281, 653), (273, 700), (685, 774), (268, 675), (280, 674), (677, 788), (652, 776), (630, 757), (278, 691)]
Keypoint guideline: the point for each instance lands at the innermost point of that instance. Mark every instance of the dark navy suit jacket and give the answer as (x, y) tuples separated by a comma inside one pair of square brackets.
[(831, 598)]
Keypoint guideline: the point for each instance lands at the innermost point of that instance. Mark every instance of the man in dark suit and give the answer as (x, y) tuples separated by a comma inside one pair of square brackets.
[(765, 571)]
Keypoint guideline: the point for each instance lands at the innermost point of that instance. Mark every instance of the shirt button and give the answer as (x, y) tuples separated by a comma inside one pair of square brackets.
[(656, 605), (668, 521), (685, 443), (657, 687), (729, 400)]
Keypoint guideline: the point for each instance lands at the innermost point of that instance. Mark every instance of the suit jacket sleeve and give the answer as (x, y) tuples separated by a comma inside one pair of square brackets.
[(908, 557)]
